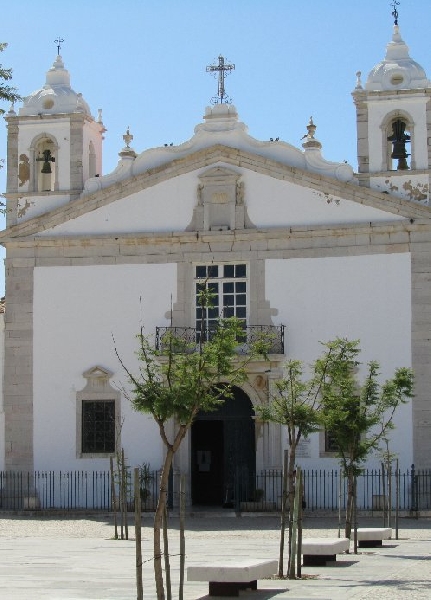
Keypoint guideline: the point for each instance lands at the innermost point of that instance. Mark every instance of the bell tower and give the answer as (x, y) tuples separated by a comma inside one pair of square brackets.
[(393, 115), (54, 146)]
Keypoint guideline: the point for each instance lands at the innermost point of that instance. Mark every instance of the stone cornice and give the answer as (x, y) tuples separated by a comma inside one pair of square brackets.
[(410, 228), (205, 158)]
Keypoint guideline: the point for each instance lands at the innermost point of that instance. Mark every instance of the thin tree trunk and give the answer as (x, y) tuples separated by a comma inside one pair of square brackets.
[(283, 516), (350, 502), (167, 555), (389, 470), (113, 496), (158, 522), (397, 497), (385, 500), (355, 517), (138, 537), (291, 502), (182, 537), (294, 531), (300, 484), (124, 485), (339, 502)]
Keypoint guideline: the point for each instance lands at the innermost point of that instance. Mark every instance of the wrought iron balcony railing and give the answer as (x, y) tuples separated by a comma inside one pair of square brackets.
[(188, 337)]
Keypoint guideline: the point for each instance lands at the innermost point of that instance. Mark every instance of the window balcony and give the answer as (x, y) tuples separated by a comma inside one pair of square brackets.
[(188, 337)]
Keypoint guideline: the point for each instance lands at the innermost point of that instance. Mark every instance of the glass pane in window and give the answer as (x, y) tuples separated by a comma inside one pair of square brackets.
[(240, 271), (241, 299), (241, 312), (228, 311), (240, 287), (229, 270), (213, 271), (228, 300), (201, 272), (228, 287)]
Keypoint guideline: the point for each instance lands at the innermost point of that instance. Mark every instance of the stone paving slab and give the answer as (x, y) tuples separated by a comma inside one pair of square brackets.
[(76, 560)]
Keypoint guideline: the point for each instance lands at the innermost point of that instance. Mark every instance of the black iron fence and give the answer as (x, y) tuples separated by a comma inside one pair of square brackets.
[(184, 339), (327, 490), (323, 490), (71, 490)]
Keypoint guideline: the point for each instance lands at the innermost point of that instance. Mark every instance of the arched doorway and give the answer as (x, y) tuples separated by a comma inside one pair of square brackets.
[(223, 453)]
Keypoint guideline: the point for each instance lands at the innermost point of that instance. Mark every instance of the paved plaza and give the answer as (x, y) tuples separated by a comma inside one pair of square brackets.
[(77, 559)]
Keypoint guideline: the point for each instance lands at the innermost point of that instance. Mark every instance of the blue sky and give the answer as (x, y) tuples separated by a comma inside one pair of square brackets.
[(143, 62)]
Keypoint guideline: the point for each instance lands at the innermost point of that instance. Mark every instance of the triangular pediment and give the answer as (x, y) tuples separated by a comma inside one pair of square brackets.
[(126, 206)]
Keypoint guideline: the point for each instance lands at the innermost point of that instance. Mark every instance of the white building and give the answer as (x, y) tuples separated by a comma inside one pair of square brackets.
[(290, 240)]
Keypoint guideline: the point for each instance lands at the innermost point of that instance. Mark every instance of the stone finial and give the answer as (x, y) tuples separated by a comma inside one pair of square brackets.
[(310, 141), (127, 151), (127, 137), (358, 81)]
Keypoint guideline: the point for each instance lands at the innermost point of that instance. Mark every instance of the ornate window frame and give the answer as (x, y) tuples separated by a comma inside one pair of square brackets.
[(97, 389)]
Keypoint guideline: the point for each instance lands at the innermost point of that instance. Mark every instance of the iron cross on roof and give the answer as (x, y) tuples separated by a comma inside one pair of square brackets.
[(58, 42), (223, 69)]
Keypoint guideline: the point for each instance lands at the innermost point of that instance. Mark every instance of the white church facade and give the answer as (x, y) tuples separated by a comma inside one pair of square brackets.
[(291, 242)]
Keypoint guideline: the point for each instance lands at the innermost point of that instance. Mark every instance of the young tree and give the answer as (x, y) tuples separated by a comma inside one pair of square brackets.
[(358, 417), (180, 380), (7, 93), (294, 405)]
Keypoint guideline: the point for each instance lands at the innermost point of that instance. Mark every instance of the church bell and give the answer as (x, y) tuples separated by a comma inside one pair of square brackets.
[(399, 139)]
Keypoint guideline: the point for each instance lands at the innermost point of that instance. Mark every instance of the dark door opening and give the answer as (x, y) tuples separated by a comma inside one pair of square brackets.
[(223, 453), (207, 476)]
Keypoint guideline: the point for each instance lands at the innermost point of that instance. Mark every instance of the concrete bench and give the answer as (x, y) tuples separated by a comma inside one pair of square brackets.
[(371, 537), (227, 577), (318, 551)]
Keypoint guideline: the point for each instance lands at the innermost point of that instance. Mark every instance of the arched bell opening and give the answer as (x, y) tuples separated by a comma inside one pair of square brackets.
[(399, 144), (44, 151)]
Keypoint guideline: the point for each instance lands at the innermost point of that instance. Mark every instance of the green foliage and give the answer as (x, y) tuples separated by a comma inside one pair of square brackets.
[(7, 93), (293, 404), (358, 417), (182, 378), (179, 381)]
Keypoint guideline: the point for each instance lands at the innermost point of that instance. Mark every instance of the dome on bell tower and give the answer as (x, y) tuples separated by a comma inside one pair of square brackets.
[(56, 96), (397, 71)]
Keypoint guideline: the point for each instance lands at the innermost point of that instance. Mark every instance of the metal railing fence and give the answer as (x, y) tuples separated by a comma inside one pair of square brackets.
[(323, 490)]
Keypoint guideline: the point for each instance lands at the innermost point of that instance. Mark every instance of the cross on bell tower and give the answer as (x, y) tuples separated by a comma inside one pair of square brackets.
[(222, 69)]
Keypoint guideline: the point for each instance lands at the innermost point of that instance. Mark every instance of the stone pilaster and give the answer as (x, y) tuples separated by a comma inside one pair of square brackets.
[(421, 351), (76, 152), (18, 367)]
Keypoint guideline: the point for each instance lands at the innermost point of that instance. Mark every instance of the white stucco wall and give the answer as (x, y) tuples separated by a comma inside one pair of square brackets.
[(365, 298), (270, 203), (77, 310)]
